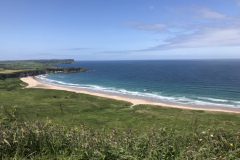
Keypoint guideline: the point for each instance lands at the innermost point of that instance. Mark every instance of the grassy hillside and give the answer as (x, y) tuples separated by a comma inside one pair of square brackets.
[(16, 69), (63, 107), (64, 124), (32, 64)]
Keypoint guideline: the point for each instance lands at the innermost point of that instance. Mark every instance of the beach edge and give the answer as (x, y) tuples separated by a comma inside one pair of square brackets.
[(33, 83)]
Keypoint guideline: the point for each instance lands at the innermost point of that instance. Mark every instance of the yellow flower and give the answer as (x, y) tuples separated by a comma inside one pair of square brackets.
[(220, 156), (231, 144), (186, 147), (200, 139)]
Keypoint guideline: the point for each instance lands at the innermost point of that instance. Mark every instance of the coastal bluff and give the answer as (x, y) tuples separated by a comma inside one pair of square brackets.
[(18, 69)]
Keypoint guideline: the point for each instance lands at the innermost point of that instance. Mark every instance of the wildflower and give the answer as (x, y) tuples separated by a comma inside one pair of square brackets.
[(220, 156), (211, 135), (231, 144), (186, 147), (200, 140)]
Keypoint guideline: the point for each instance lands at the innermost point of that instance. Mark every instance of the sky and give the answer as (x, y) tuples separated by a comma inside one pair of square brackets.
[(119, 29)]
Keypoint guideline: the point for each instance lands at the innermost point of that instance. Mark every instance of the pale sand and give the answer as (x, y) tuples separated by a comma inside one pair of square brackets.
[(33, 83)]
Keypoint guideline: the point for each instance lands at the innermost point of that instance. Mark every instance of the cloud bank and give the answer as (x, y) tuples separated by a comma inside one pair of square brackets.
[(203, 28)]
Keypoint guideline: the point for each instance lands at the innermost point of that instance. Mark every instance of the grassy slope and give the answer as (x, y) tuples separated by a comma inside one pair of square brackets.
[(20, 65), (180, 134), (63, 107), (8, 67)]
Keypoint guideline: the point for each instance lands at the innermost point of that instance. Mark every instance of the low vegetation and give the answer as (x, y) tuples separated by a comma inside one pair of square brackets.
[(32, 64), (37, 140), (16, 69), (50, 124)]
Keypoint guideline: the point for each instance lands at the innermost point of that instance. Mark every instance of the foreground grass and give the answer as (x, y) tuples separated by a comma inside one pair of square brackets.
[(48, 123), (38, 140)]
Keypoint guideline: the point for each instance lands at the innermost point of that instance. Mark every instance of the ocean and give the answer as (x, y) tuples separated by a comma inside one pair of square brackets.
[(184, 82)]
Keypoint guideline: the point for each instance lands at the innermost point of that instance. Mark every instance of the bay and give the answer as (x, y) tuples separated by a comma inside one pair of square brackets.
[(189, 82)]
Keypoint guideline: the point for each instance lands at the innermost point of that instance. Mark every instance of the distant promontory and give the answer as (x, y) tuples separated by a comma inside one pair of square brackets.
[(23, 68)]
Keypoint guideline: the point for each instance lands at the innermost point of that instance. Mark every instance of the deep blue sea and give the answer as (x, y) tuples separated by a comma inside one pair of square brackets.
[(189, 82)]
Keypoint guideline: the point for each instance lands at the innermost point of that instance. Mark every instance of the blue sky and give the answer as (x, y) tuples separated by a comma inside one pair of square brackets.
[(119, 29)]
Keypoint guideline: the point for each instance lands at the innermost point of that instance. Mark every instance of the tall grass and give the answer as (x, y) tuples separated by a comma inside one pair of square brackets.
[(46, 140)]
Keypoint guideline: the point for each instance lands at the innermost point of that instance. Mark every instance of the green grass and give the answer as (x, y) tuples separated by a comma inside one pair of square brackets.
[(6, 71), (62, 107), (17, 69), (11, 66), (37, 140), (19, 65), (186, 132)]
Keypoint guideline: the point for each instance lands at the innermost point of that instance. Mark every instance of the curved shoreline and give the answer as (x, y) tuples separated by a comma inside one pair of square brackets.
[(33, 83)]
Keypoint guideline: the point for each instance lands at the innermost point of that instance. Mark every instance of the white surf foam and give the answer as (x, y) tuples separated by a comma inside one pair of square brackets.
[(153, 96)]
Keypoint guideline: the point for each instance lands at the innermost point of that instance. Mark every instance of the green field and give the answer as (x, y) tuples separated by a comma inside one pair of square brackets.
[(17, 69), (6, 71), (31, 64), (175, 133)]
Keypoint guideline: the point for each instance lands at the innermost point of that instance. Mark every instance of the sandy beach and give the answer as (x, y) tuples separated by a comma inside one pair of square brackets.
[(33, 83)]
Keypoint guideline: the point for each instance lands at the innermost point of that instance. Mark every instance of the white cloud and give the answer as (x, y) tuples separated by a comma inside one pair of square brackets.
[(220, 30), (211, 37), (183, 25), (151, 27), (157, 27), (209, 14)]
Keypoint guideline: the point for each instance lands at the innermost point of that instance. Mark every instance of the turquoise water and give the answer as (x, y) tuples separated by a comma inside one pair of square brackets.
[(192, 82)]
